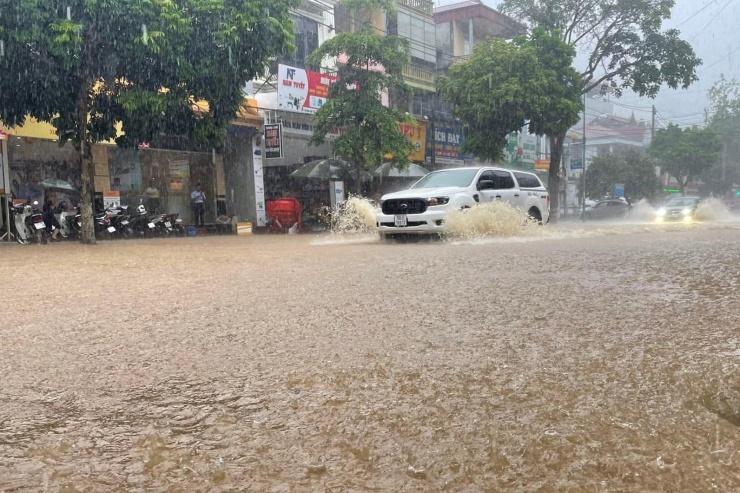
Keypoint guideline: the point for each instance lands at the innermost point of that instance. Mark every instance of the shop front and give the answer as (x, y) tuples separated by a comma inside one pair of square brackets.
[(160, 177), (295, 131)]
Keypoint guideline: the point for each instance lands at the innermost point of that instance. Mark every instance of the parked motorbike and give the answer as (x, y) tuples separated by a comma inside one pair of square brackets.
[(140, 223), (103, 228), (19, 226), (35, 225)]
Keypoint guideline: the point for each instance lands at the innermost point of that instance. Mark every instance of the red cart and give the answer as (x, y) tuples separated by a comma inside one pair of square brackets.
[(283, 214)]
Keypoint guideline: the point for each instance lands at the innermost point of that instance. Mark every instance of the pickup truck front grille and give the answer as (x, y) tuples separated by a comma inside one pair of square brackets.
[(404, 206)]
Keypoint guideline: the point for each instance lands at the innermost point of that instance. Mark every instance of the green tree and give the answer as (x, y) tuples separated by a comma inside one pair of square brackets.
[(374, 64), (625, 45), (87, 65), (504, 86), (635, 170), (685, 153), (723, 116)]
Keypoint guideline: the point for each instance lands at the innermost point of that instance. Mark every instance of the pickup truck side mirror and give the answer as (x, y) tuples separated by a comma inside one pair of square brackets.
[(485, 184)]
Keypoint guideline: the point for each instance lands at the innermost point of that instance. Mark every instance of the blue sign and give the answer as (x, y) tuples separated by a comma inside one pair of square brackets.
[(445, 140), (576, 165), (619, 190)]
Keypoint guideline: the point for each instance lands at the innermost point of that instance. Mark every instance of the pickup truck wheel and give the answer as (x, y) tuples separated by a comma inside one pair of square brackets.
[(383, 236), (534, 213)]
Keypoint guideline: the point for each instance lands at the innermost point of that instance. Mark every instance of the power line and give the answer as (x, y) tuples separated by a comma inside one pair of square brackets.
[(697, 13), (723, 58), (711, 20)]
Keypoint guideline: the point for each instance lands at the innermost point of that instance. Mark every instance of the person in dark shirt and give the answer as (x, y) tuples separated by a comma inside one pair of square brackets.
[(50, 220)]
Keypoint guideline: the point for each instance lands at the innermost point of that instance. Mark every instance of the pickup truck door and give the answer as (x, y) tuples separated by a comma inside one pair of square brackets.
[(502, 187)]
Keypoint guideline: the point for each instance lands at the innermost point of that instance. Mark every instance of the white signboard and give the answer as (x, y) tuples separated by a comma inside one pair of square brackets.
[(259, 183), (301, 90)]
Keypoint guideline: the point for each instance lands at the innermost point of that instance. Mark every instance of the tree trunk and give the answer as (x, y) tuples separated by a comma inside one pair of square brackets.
[(553, 182), (87, 170)]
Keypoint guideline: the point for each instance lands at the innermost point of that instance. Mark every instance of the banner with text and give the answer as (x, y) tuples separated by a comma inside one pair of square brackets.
[(301, 90), (446, 143), (273, 141)]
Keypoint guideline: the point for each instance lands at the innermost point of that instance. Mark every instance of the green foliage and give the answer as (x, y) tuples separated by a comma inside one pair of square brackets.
[(685, 153), (723, 116), (86, 65), (635, 170), (360, 7), (507, 85), (623, 38), (123, 53), (368, 129), (625, 45)]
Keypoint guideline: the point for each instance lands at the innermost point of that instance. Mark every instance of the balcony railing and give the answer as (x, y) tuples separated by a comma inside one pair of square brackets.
[(419, 75), (423, 6), (460, 59)]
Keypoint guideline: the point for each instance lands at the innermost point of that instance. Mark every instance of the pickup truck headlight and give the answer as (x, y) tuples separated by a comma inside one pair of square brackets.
[(686, 212), (438, 201), (661, 212)]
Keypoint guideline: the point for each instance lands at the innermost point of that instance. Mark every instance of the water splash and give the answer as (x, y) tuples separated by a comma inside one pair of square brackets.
[(712, 210), (356, 215), (492, 219), (642, 212)]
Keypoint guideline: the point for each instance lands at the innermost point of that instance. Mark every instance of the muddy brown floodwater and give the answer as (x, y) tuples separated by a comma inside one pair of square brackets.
[(591, 361)]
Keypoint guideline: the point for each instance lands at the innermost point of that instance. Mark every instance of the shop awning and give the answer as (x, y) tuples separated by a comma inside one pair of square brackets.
[(247, 116)]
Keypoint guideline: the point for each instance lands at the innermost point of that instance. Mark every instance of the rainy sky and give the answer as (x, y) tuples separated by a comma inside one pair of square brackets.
[(711, 28)]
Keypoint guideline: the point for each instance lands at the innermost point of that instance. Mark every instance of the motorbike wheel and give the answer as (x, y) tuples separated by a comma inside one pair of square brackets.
[(40, 238)]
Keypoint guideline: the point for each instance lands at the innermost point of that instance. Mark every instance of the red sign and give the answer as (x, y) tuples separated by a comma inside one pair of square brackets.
[(302, 90)]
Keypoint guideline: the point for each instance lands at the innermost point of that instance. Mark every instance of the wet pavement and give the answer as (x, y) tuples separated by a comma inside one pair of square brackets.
[(597, 358)]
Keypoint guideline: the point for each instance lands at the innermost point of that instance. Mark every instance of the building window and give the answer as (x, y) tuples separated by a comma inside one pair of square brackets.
[(421, 34), (306, 41)]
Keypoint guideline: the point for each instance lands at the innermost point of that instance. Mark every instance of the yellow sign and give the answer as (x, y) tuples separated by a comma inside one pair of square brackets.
[(543, 164), (417, 134)]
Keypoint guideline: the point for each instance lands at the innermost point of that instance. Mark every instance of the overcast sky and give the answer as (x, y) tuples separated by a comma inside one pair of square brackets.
[(712, 28)]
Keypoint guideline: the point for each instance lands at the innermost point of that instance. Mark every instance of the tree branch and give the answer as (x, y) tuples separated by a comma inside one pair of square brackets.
[(611, 74)]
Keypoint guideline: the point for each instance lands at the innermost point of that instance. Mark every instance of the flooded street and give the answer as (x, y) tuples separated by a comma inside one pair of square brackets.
[(584, 358)]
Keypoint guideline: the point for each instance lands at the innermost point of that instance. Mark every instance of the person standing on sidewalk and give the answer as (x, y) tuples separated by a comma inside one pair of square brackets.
[(199, 202)]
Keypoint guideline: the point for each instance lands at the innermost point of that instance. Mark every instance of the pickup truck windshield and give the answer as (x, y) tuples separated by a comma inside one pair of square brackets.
[(447, 178)]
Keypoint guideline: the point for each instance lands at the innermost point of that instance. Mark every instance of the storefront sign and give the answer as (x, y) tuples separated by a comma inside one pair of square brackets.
[(521, 150), (259, 183), (179, 169), (273, 141), (417, 135), (111, 199), (446, 143), (301, 90), (542, 164)]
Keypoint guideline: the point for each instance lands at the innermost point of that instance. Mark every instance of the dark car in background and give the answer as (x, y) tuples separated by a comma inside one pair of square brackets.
[(607, 209)]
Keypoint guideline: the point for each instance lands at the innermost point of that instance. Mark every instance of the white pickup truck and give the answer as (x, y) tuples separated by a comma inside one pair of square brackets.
[(422, 208)]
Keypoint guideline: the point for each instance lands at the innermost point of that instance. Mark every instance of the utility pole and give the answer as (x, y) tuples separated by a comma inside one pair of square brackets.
[(724, 162), (652, 131), (583, 156)]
